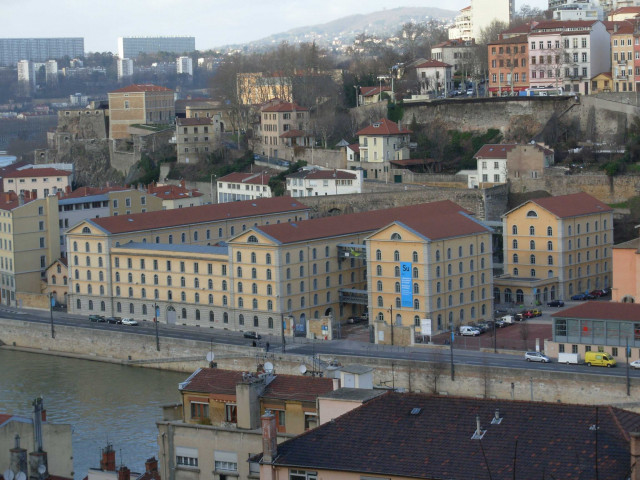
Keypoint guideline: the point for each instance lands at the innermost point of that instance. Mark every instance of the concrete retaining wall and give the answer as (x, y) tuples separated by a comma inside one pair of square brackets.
[(433, 376)]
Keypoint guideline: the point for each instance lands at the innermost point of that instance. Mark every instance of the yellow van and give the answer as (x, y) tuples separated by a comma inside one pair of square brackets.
[(599, 359)]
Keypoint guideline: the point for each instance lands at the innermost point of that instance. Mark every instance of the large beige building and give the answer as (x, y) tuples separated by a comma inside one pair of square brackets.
[(139, 105), (29, 243), (255, 88), (309, 275), (95, 262), (555, 247)]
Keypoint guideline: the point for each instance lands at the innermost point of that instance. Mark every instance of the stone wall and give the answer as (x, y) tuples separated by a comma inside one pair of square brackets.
[(83, 124), (38, 301), (412, 375), (604, 188), (487, 204)]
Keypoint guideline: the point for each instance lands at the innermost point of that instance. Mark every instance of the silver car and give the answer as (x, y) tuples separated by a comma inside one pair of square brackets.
[(536, 357), (635, 364)]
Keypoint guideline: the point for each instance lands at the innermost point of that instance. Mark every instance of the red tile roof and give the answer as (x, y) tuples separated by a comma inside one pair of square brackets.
[(624, 28), (38, 172), (294, 134), (213, 380), (183, 122), (137, 88), (625, 10), (427, 436), (433, 64), (200, 214), (602, 311), (355, 147), (434, 220), (323, 175), (172, 192), (9, 201), (260, 178), (371, 91), (572, 205), (285, 107), (4, 417), (383, 127), (297, 387), (493, 150), (91, 191), (517, 39), (555, 25)]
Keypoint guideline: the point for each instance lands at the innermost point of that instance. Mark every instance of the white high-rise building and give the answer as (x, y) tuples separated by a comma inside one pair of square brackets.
[(27, 74), (125, 68), (472, 20), (184, 65)]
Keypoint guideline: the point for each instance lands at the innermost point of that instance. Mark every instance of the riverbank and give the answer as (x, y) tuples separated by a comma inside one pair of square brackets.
[(184, 355)]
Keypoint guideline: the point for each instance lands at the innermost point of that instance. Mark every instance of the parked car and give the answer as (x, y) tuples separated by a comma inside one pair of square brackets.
[(253, 335), (358, 319), (96, 318), (606, 291), (536, 357), (482, 326), (635, 364), (129, 321), (114, 320), (508, 320), (597, 293), (582, 296), (536, 312), (501, 323), (555, 303), (468, 330)]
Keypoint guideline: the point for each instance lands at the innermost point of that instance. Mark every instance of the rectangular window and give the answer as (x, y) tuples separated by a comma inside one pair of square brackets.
[(199, 410), (574, 348), (186, 457), (561, 348)]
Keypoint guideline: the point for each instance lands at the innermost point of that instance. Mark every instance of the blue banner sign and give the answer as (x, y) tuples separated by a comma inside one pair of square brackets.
[(406, 290)]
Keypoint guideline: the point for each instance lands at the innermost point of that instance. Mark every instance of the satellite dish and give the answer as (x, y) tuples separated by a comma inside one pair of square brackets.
[(303, 369), (8, 474), (210, 357), (268, 367), (21, 476), (42, 469)]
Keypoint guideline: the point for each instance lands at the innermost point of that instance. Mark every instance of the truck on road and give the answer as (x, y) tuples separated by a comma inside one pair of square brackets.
[(569, 358)]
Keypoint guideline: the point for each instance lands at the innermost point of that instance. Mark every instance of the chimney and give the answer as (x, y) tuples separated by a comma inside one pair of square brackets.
[(269, 437), (182, 183), (151, 465), (108, 462), (478, 426), (124, 473), (634, 451), (18, 462)]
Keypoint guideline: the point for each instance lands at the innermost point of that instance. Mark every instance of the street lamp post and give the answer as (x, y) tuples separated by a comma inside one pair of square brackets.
[(357, 95), (281, 308), (53, 332), (453, 376), (211, 179)]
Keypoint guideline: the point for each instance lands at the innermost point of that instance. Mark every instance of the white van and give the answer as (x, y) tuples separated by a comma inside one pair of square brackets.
[(508, 319), (569, 358), (467, 330)]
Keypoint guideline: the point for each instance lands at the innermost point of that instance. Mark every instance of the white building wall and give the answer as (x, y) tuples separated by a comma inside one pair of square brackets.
[(184, 65), (483, 12), (233, 192), (492, 170)]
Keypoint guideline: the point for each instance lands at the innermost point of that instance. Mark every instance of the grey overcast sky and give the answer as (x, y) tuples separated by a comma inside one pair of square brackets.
[(213, 22)]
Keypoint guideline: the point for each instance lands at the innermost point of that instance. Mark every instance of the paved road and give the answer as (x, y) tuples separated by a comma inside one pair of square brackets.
[(310, 348)]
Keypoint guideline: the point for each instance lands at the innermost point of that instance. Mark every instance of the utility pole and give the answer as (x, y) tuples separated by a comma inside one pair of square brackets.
[(626, 354), (453, 375), (155, 320)]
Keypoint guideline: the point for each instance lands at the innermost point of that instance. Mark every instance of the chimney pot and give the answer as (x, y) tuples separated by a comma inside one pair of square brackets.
[(124, 473), (269, 437)]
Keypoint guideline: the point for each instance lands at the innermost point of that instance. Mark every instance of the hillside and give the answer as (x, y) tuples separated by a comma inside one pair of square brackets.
[(384, 22)]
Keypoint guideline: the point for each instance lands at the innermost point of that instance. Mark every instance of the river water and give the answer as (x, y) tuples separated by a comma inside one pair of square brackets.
[(103, 402)]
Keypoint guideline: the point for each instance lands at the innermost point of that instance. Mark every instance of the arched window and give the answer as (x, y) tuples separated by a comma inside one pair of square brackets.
[(170, 238), (88, 261), (253, 257), (549, 260), (239, 272), (240, 302), (86, 247), (448, 254), (515, 258), (549, 231), (482, 263), (398, 302), (397, 287), (415, 272), (460, 268), (461, 282), (439, 303), (131, 308), (211, 316), (396, 256), (100, 261), (515, 243), (460, 251), (416, 288), (532, 230), (238, 256), (118, 307), (415, 257), (450, 300), (102, 289), (380, 302), (397, 271), (103, 307), (379, 286), (533, 273), (532, 214), (438, 271), (78, 304), (88, 274), (169, 280), (183, 296), (396, 236), (449, 285), (514, 230), (117, 291), (569, 230), (532, 245), (129, 278), (437, 255), (438, 287), (301, 255), (416, 304), (252, 239), (130, 292), (449, 269), (183, 238), (90, 304), (155, 279), (532, 259), (184, 313)]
